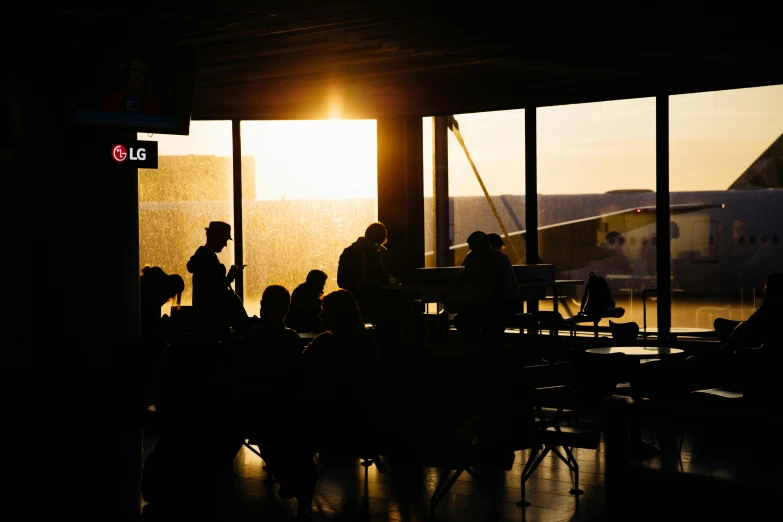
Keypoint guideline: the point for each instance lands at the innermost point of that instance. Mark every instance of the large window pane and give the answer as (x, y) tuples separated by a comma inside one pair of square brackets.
[(596, 199), (192, 186), (315, 192), (726, 152), (429, 206), (495, 141)]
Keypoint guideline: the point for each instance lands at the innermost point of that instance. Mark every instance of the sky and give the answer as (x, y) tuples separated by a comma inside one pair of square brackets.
[(585, 148)]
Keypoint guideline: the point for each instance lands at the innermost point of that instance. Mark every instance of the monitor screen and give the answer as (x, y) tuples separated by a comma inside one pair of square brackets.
[(136, 89)]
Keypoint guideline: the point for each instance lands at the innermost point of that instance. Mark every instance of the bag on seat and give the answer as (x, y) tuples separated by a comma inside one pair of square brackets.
[(597, 296)]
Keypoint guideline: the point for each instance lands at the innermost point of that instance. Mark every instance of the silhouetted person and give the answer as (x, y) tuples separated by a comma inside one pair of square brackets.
[(156, 289), (340, 372), (496, 242), (305, 312), (214, 301), (278, 426), (735, 364), (489, 279), (345, 338), (363, 269)]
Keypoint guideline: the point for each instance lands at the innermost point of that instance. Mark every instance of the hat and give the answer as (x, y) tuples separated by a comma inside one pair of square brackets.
[(220, 228)]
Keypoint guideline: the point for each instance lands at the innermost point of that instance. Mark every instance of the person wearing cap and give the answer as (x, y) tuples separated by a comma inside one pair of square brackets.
[(212, 294)]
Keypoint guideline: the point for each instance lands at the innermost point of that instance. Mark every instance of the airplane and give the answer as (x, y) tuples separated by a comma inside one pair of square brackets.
[(722, 242)]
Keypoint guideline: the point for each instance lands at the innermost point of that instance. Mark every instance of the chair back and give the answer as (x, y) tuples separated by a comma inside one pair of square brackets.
[(624, 332)]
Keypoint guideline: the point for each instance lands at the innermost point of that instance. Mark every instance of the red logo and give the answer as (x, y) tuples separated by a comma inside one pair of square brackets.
[(119, 153)]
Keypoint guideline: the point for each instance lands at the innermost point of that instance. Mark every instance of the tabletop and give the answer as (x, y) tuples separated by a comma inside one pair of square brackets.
[(642, 352)]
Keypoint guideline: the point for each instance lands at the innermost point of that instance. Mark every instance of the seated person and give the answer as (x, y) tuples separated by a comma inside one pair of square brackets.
[(305, 312), (274, 393), (338, 371), (491, 284), (277, 340), (496, 242), (156, 289), (345, 338), (732, 365)]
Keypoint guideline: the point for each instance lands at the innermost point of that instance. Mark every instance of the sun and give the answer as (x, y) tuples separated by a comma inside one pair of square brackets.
[(312, 159)]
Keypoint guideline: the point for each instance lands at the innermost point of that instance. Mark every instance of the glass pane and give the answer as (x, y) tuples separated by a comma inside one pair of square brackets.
[(192, 186), (429, 204), (495, 141), (726, 153), (316, 191), (596, 200)]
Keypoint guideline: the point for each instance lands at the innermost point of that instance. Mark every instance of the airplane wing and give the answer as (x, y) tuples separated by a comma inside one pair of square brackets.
[(574, 244)]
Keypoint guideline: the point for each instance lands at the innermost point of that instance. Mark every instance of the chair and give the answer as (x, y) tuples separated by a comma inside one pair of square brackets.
[(553, 321), (624, 332), (724, 327), (614, 312), (553, 384)]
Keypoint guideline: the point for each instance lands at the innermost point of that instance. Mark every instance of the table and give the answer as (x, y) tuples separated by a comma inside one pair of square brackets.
[(639, 352), (556, 286)]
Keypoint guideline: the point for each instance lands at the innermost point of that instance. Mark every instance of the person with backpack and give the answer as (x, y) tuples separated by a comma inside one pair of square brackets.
[(364, 267)]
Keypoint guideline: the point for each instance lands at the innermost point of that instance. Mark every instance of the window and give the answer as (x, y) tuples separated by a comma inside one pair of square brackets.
[(315, 191), (726, 152), (192, 186), (596, 182)]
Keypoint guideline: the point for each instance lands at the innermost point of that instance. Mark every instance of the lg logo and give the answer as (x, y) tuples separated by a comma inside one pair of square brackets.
[(137, 154), (119, 153)]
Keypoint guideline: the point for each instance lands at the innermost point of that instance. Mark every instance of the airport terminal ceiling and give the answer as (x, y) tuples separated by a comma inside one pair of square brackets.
[(289, 60)]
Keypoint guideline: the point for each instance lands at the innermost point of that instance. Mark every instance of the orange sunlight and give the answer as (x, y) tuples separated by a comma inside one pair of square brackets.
[(312, 159)]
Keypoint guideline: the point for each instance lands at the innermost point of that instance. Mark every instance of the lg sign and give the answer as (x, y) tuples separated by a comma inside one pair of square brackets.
[(120, 153), (143, 154)]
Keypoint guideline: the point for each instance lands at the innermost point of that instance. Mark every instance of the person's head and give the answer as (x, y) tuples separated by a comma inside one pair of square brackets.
[(773, 289), (495, 241), (163, 286), (275, 302), (317, 279), (175, 285), (340, 314), (376, 233), (478, 241), (218, 235), (137, 74)]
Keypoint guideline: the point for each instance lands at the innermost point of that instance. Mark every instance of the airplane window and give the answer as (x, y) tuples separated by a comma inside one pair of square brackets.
[(633, 241), (764, 239), (752, 240), (741, 240), (775, 239)]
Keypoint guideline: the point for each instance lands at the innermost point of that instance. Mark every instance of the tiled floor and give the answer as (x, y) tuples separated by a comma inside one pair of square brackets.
[(343, 494)]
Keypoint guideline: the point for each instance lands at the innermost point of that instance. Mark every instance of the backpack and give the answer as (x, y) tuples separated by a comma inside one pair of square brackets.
[(597, 296), (351, 269)]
